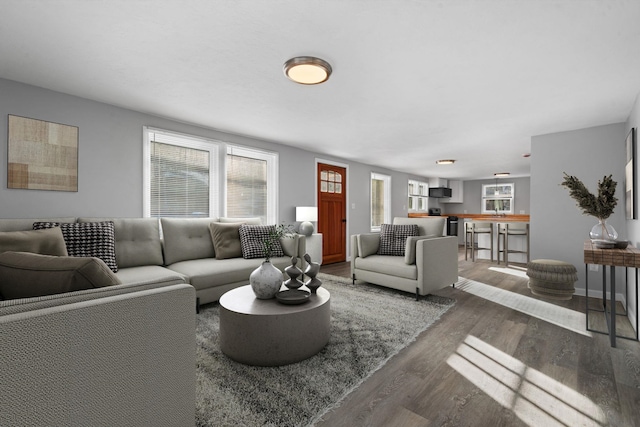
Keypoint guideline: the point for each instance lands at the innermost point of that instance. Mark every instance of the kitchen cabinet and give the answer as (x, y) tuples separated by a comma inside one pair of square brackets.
[(417, 196)]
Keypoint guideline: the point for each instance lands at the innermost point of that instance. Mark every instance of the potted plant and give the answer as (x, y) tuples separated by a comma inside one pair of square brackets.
[(600, 207)]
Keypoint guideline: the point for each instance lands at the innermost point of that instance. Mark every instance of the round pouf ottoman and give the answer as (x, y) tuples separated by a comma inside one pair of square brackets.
[(553, 279)]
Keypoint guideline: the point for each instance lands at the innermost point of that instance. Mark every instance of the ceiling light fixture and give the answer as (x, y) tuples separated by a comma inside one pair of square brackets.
[(307, 70), (501, 174), (445, 162)]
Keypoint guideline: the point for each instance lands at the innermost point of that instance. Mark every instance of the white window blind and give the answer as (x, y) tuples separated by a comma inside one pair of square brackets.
[(251, 184), (380, 200), (182, 175)]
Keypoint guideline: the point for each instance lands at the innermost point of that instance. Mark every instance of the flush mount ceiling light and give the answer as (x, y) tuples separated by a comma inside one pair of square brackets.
[(307, 70), (501, 174), (445, 162)]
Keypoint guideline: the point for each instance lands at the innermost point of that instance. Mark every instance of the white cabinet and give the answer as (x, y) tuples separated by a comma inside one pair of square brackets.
[(457, 192), (418, 192)]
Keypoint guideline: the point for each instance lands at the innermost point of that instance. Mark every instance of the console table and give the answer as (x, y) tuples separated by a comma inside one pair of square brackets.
[(612, 258)]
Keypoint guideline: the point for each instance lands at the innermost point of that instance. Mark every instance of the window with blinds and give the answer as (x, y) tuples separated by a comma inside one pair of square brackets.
[(251, 184), (182, 176), (380, 200)]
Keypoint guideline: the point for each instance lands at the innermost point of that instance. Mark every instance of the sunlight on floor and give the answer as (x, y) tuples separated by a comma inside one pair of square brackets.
[(535, 398), (569, 319), (513, 270)]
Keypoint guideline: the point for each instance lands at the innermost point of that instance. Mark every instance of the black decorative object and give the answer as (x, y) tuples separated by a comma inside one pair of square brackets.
[(312, 271), (293, 272)]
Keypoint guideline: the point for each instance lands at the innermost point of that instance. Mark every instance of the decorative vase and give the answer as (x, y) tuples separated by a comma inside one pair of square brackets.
[(603, 231), (266, 281)]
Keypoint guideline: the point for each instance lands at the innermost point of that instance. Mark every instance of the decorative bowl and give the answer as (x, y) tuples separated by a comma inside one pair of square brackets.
[(621, 244), (603, 244)]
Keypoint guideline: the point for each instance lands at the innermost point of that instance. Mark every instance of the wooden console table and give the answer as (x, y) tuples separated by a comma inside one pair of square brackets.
[(629, 257)]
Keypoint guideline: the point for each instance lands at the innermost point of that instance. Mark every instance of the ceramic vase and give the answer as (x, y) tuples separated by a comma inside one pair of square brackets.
[(603, 231), (266, 281)]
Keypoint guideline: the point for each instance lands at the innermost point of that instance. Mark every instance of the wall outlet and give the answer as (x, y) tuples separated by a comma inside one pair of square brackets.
[(593, 267), (353, 205), (465, 211), (521, 212)]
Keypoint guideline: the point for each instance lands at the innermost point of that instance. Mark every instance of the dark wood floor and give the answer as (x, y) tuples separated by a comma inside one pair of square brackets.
[(483, 364)]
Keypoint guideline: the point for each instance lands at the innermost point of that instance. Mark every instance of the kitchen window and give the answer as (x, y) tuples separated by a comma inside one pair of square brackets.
[(498, 198)]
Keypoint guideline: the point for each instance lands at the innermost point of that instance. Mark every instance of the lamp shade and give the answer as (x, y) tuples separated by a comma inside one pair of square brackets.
[(306, 214)]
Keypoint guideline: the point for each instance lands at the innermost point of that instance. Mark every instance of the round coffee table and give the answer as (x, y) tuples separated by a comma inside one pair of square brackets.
[(269, 333)]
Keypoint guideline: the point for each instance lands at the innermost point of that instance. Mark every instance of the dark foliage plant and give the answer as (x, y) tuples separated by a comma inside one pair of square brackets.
[(600, 206)]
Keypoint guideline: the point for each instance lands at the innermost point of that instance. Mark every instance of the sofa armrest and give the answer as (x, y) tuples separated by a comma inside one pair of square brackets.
[(121, 360), (437, 262)]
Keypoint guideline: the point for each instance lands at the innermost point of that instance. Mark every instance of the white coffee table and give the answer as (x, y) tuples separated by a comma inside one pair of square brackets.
[(269, 333)]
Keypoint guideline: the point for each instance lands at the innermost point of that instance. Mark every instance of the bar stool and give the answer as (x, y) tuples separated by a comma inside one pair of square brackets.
[(471, 230), (506, 229)]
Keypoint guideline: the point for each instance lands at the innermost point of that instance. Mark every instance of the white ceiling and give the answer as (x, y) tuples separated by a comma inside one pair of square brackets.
[(413, 82)]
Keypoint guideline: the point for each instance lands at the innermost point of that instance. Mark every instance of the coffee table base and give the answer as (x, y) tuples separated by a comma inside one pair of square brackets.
[(268, 333)]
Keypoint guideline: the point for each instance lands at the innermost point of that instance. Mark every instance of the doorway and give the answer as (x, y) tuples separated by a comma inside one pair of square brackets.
[(332, 212)]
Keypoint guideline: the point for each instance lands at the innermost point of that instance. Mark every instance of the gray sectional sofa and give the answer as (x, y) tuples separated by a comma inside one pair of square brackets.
[(125, 354), (166, 251)]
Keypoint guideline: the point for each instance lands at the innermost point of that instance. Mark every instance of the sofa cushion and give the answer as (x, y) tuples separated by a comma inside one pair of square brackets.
[(207, 273), (138, 240), (25, 275), (393, 238), (226, 239), (410, 249), (252, 238), (368, 244), (87, 239), (388, 265), (186, 238), (45, 242)]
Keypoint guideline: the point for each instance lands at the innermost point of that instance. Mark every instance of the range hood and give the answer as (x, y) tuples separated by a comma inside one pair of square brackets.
[(439, 192)]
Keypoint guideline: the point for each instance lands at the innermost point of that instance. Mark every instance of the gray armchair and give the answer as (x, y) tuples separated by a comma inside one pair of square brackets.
[(430, 261)]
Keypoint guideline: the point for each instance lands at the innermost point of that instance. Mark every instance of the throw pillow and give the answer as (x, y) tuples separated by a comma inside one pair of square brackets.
[(393, 238), (46, 242), (252, 238), (87, 239), (26, 275), (226, 239)]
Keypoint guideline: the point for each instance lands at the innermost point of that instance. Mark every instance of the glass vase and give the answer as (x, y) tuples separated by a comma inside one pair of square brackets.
[(603, 231)]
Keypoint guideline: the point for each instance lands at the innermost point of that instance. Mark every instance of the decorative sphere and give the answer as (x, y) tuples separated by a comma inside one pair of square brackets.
[(306, 228)]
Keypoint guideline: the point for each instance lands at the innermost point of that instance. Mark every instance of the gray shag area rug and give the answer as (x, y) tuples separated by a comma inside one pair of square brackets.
[(369, 325)]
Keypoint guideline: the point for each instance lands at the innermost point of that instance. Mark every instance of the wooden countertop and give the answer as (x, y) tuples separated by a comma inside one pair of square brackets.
[(481, 217)]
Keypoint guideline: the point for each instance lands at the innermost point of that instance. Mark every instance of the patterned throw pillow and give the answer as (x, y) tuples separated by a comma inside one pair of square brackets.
[(393, 238), (87, 239), (251, 238)]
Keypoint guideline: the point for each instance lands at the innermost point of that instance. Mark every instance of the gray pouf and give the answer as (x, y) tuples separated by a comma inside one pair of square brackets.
[(552, 279)]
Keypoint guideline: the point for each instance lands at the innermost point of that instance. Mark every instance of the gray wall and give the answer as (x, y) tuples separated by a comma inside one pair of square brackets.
[(558, 228), (472, 197), (110, 162)]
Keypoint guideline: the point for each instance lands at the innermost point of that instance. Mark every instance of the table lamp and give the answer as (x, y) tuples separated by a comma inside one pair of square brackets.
[(306, 214)]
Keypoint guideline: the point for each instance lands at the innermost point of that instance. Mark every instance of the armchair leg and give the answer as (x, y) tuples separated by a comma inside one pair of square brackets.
[(417, 294), (353, 279), (197, 305)]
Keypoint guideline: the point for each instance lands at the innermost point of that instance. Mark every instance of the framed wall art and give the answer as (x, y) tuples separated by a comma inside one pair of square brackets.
[(631, 199), (41, 155)]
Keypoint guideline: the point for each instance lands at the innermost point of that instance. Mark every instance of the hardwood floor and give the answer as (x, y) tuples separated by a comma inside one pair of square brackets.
[(485, 364)]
